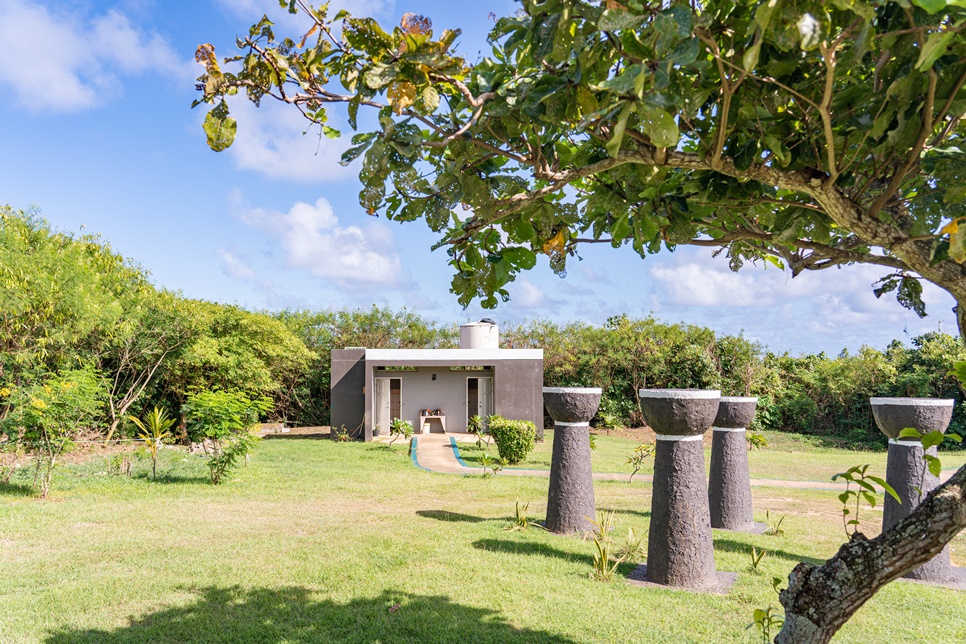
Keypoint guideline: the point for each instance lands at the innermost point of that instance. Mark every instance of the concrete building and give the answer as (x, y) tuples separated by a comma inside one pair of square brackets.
[(438, 390)]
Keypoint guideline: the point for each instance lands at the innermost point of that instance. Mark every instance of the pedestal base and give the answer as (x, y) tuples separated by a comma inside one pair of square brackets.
[(570, 500), (680, 550), (721, 584), (906, 472), (729, 485)]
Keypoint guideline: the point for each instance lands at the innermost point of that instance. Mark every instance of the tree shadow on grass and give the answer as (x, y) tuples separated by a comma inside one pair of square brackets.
[(532, 548), (15, 489), (727, 545), (445, 515), (223, 615)]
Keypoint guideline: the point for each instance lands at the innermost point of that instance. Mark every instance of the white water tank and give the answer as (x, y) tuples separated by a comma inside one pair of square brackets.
[(484, 334)]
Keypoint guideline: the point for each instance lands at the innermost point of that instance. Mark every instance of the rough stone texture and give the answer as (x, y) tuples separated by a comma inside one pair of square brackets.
[(571, 404), (905, 471), (679, 412), (680, 551), (729, 485), (892, 415), (570, 500), (735, 411)]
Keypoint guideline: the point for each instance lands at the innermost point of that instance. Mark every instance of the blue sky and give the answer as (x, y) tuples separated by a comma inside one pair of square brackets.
[(97, 131)]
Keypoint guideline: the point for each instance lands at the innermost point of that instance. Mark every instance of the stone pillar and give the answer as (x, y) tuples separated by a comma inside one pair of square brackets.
[(680, 551), (570, 501), (729, 485), (906, 470)]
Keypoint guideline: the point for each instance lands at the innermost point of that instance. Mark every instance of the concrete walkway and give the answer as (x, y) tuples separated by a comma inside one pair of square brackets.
[(439, 453)]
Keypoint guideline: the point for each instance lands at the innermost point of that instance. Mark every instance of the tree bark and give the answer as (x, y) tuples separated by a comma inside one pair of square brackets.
[(820, 599)]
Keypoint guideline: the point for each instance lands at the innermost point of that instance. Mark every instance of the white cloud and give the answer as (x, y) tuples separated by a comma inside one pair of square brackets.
[(276, 140), (692, 284), (313, 240), (235, 266), (70, 62)]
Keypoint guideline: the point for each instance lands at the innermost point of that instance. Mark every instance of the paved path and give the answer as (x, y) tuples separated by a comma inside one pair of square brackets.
[(438, 453)]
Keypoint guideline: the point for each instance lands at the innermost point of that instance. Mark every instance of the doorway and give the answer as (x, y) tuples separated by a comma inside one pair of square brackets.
[(388, 403), (479, 397)]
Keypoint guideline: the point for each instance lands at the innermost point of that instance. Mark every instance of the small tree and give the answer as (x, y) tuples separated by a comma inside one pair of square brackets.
[(48, 416), (399, 427), (154, 429), (223, 422)]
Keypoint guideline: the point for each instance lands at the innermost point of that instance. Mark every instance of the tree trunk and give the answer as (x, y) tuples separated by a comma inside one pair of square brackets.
[(820, 599)]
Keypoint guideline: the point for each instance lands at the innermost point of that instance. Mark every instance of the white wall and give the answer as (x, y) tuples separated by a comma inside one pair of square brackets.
[(447, 392)]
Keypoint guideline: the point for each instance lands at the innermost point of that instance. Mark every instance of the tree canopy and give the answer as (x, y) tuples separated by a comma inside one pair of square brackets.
[(806, 133)]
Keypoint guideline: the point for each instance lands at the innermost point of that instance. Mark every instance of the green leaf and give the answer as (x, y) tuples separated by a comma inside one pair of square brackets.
[(936, 45), (380, 75), (910, 432), (620, 227), (617, 19), (750, 58), (430, 98), (331, 132), (910, 296), (219, 128), (614, 144), (931, 6), (932, 439), (933, 464), (885, 486), (660, 127), (844, 497)]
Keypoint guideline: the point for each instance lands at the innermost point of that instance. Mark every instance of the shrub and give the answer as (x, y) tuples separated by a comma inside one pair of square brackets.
[(47, 416), (223, 422), (514, 438)]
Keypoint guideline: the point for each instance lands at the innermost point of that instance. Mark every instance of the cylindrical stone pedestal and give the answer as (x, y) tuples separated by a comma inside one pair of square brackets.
[(570, 501), (680, 551), (906, 470), (729, 484)]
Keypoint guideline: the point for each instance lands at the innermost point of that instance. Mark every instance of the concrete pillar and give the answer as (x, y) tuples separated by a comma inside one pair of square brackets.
[(729, 485), (906, 470), (680, 550), (570, 501)]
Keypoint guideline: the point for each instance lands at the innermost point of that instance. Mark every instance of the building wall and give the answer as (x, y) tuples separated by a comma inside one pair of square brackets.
[(420, 391), (348, 398), (518, 391)]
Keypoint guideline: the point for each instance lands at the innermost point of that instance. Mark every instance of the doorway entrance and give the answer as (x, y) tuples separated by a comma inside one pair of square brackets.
[(479, 397), (388, 403)]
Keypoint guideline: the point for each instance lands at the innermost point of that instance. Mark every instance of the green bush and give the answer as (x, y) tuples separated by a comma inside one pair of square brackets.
[(514, 438), (224, 423)]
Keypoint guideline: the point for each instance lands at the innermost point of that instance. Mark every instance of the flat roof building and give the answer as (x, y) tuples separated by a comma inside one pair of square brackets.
[(438, 390)]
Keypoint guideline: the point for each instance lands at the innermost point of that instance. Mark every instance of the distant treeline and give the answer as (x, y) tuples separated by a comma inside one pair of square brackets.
[(70, 302)]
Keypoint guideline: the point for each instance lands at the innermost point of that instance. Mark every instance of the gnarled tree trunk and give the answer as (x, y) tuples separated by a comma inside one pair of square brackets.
[(820, 599)]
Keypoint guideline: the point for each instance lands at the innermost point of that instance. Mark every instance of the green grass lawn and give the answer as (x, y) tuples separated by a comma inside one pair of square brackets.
[(324, 542), (791, 457)]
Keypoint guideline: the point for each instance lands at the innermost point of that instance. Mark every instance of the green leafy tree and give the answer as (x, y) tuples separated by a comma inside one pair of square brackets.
[(810, 134), (48, 416), (224, 423)]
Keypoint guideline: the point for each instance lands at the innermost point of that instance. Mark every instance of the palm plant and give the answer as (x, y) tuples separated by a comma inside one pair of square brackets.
[(154, 429)]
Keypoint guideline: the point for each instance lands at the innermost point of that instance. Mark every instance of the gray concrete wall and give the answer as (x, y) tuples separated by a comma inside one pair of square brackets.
[(518, 391), (348, 388)]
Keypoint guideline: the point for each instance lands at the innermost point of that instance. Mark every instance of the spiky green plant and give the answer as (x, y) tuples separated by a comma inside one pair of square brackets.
[(154, 429)]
